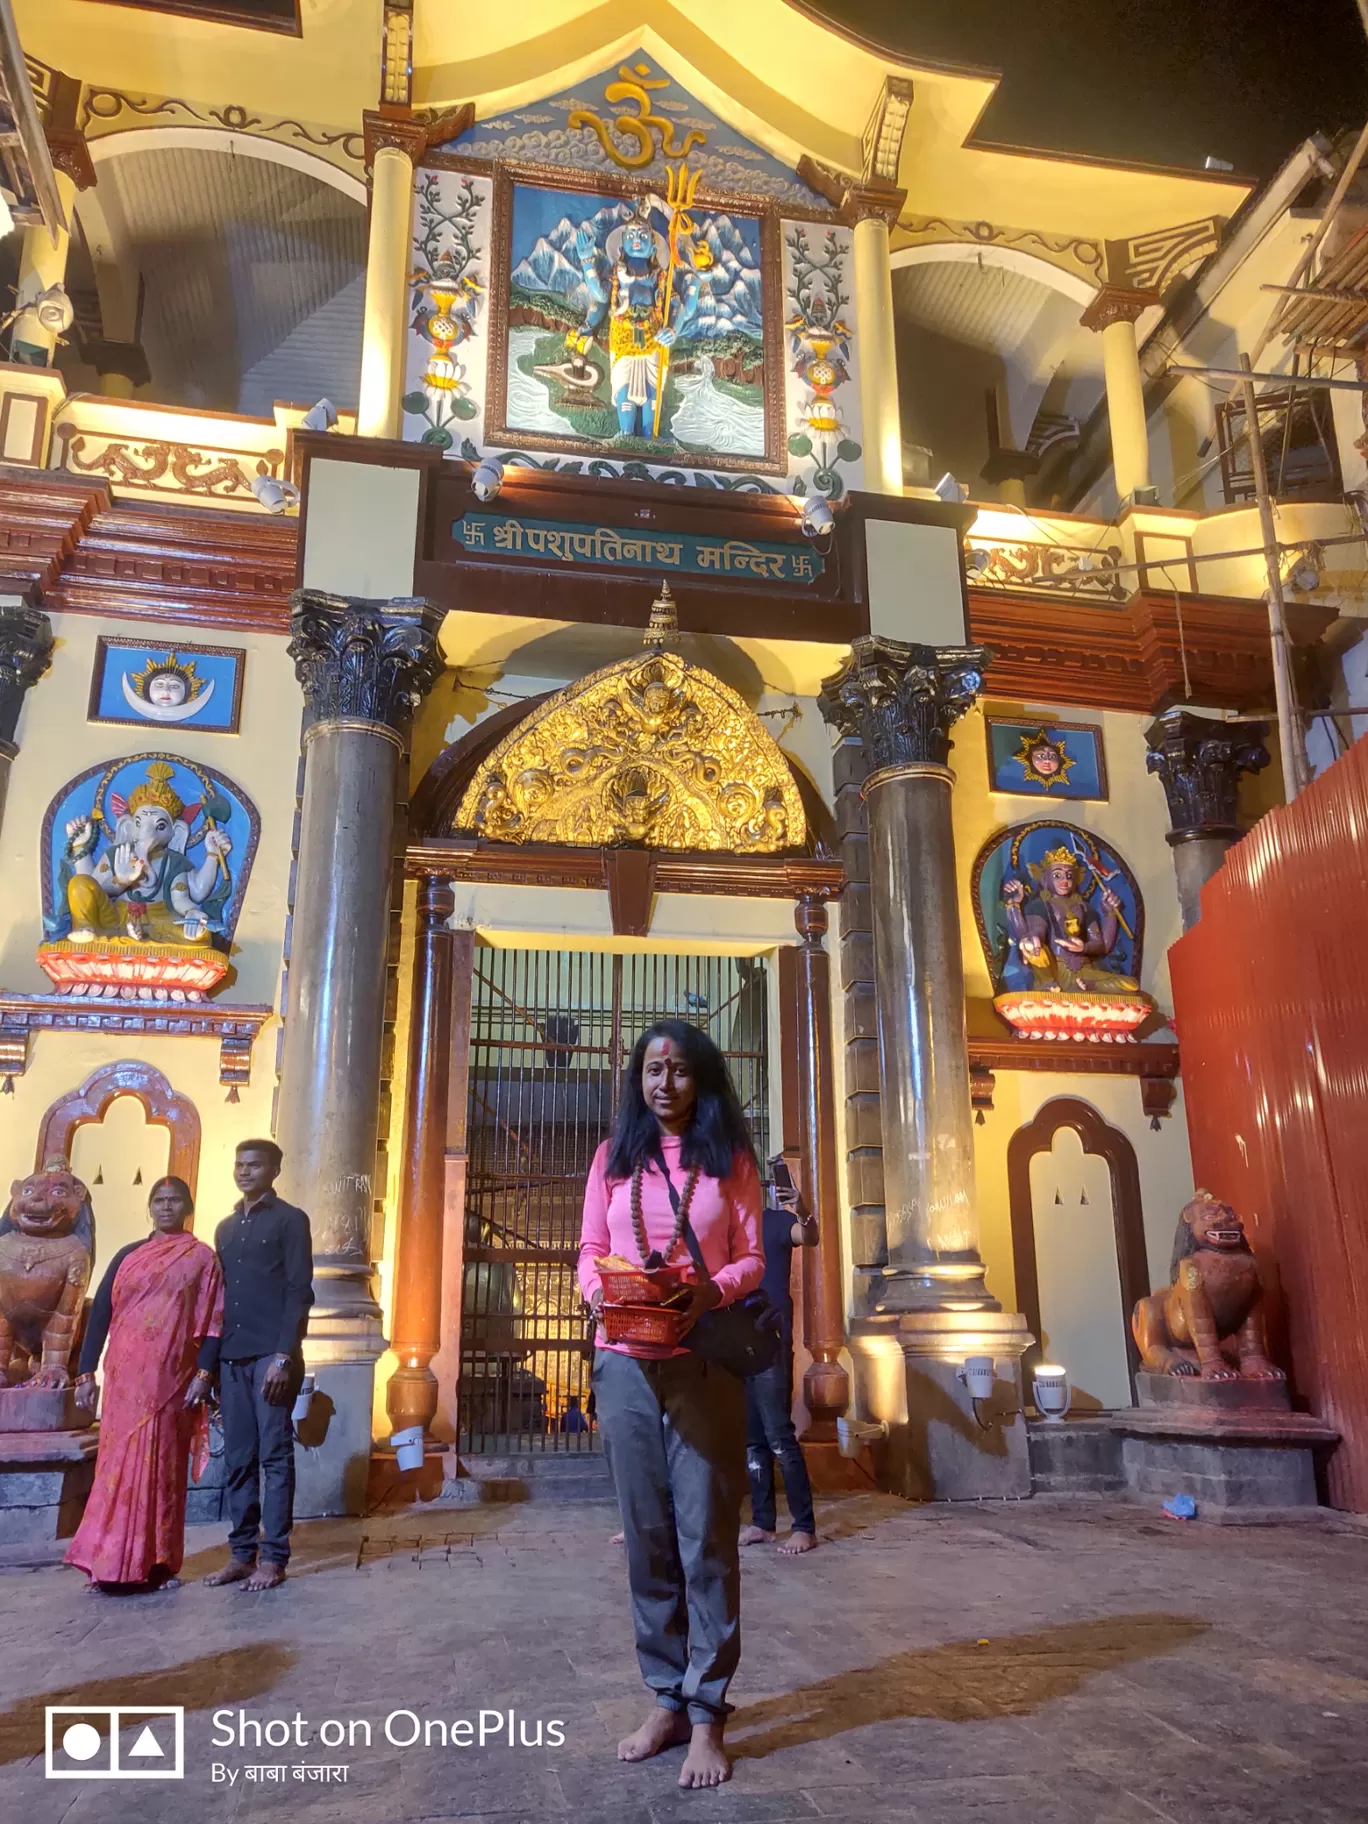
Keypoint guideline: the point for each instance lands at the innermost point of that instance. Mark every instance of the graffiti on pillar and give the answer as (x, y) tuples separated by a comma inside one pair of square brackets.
[(145, 862)]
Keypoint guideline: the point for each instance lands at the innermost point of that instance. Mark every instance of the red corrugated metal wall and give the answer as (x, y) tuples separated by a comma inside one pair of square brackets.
[(1270, 994)]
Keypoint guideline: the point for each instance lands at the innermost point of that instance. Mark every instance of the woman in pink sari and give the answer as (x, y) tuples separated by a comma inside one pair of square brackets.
[(160, 1304)]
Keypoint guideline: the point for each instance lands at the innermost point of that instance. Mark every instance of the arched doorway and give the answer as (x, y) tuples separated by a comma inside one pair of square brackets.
[(1078, 1242)]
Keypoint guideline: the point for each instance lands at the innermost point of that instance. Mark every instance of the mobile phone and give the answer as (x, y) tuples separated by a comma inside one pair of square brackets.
[(780, 1175)]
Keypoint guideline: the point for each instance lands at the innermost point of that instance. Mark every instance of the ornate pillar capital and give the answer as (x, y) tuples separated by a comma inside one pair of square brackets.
[(360, 661), (1199, 762), (902, 700), (25, 654), (70, 154), (1117, 304)]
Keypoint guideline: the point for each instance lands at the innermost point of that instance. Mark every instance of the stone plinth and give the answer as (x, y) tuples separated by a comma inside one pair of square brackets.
[(942, 1445), (45, 1477), (1231, 1445), (40, 1409)]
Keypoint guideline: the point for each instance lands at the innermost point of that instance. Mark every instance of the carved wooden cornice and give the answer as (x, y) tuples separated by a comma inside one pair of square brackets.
[(1142, 655), (992, 1047), (414, 133), (235, 1028), (473, 859), (855, 197), (71, 155), (1117, 304)]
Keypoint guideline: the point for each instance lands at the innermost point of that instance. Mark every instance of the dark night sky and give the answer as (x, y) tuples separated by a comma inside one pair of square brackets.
[(1161, 81)]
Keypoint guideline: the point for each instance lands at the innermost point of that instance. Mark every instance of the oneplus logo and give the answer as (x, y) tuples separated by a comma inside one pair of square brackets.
[(115, 1742)]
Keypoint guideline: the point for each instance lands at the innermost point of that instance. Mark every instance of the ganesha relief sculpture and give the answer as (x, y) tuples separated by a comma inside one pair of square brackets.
[(1209, 1323), (47, 1245), (143, 880)]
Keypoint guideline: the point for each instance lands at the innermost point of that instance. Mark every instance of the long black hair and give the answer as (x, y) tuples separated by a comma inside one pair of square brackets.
[(718, 1130)]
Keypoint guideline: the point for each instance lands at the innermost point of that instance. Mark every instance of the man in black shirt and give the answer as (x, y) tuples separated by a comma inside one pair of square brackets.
[(770, 1435), (266, 1252)]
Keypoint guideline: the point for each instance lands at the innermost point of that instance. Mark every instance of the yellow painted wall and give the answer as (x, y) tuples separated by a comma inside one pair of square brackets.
[(56, 742)]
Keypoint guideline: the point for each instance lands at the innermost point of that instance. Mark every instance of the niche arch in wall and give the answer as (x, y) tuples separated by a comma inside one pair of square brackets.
[(1110, 1144)]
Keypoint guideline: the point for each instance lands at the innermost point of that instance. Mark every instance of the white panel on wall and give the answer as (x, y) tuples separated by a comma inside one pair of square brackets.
[(1077, 1271)]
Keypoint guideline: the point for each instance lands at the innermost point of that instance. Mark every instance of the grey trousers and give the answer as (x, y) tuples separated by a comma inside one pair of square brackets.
[(674, 1433)]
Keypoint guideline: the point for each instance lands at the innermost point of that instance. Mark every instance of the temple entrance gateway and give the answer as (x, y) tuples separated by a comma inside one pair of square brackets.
[(551, 1032)]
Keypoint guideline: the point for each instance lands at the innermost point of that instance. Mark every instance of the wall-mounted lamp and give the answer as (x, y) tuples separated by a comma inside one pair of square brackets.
[(950, 490), (1051, 1391), (487, 479), (979, 1375), (852, 1435), (976, 560), (816, 518), (275, 495)]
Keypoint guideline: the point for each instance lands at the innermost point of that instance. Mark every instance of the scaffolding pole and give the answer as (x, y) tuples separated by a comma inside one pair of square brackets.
[(1293, 749)]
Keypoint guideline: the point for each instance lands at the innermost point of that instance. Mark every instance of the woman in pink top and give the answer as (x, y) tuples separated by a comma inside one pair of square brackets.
[(674, 1425)]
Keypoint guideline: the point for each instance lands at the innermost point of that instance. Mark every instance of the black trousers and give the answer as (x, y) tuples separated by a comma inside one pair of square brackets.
[(258, 1458), (769, 1437), (674, 1434)]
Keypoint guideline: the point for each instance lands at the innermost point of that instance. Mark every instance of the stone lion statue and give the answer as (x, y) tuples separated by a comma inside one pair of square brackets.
[(47, 1245), (1209, 1323)]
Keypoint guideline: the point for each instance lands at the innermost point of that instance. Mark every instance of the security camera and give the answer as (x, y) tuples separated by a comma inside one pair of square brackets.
[(487, 479), (275, 495), (816, 519), (320, 417)]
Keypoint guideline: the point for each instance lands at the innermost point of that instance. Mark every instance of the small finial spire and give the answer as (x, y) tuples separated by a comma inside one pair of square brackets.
[(663, 627)]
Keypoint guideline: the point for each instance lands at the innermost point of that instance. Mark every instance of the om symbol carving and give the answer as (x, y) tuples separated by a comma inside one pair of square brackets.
[(636, 81)]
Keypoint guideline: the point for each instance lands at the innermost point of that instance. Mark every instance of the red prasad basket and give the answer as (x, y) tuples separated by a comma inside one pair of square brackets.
[(656, 1324), (642, 1285)]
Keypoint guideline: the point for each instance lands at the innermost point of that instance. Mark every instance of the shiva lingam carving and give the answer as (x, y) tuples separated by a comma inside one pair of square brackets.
[(1209, 1323), (47, 1245), (1063, 939)]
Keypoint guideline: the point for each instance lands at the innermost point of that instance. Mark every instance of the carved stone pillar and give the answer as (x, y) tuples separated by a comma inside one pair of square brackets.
[(25, 654), (860, 1022), (930, 1301), (826, 1387), (1113, 314), (364, 666), (1199, 762), (411, 1396)]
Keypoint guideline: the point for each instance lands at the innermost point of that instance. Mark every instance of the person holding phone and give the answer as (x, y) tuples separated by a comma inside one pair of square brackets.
[(770, 1436)]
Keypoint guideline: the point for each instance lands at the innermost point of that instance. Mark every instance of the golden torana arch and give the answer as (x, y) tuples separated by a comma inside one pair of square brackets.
[(650, 750)]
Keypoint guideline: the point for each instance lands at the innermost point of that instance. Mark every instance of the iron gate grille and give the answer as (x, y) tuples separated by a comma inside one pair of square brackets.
[(550, 1035)]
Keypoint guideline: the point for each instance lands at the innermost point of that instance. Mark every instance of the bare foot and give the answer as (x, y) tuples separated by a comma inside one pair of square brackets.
[(235, 1571), (755, 1535), (662, 1729), (705, 1764), (167, 1583), (265, 1577), (798, 1542), (618, 1539)]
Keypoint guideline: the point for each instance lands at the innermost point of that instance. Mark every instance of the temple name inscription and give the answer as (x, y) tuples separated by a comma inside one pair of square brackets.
[(582, 544)]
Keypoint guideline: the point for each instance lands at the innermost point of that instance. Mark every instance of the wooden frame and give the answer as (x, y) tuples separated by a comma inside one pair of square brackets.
[(1003, 719), (107, 642), (506, 177), (1105, 1142), (163, 1106), (42, 407)]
